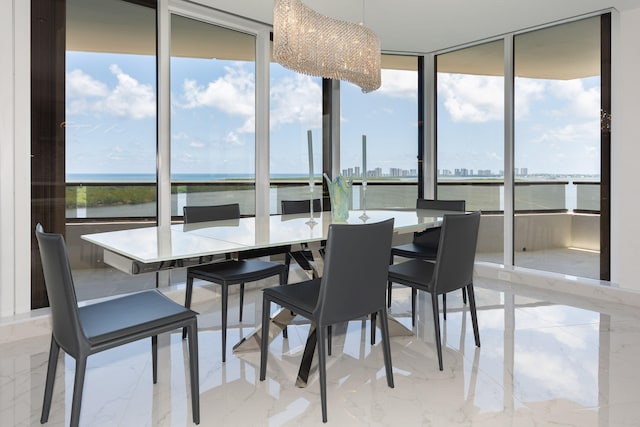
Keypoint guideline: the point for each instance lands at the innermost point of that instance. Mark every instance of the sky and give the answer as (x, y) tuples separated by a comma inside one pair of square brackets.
[(111, 113)]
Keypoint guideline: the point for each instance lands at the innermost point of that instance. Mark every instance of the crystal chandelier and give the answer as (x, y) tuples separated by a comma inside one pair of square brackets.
[(310, 43)]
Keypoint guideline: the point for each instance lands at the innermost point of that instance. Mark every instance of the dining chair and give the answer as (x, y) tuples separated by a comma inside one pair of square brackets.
[(231, 271), (352, 286), (303, 257), (83, 331), (291, 207), (425, 243), (452, 269)]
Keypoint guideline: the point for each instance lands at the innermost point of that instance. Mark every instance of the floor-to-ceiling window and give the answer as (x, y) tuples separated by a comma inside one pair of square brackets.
[(296, 125), (387, 119), (110, 131), (557, 148), (213, 110), (470, 137)]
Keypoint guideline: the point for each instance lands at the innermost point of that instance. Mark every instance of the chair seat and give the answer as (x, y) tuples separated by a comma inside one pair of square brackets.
[(237, 271), (413, 250), (301, 298), (130, 315), (416, 272), (83, 331)]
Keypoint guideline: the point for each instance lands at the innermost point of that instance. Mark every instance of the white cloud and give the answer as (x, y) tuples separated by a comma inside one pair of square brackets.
[(470, 98), (399, 84), (129, 98), (526, 91), (233, 139), (233, 93), (79, 84), (293, 99), (582, 103), (298, 100), (571, 132)]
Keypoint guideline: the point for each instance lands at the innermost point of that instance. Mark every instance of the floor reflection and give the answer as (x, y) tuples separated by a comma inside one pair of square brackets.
[(546, 359)]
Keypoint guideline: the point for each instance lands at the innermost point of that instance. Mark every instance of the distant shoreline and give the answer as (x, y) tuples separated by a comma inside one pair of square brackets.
[(177, 178)]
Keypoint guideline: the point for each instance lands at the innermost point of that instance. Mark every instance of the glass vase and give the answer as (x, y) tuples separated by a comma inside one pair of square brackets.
[(340, 194)]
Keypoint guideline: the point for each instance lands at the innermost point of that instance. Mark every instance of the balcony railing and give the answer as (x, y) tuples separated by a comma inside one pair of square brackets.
[(131, 200)]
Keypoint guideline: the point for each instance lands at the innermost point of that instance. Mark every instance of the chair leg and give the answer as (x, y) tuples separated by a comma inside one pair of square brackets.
[(225, 300), (444, 306), (188, 292), (414, 294), (464, 295), (76, 403), (389, 286), (474, 314), (374, 315), (54, 352), (284, 279), (192, 332), (322, 369), (154, 356), (241, 301), (287, 262), (264, 345), (329, 338), (436, 325), (386, 347)]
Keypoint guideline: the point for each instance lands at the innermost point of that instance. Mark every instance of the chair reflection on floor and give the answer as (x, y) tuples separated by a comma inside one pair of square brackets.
[(453, 269), (353, 285)]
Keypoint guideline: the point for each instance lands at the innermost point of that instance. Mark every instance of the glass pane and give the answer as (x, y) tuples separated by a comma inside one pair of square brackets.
[(110, 133), (212, 116), (557, 149), (296, 110), (470, 139), (388, 118)]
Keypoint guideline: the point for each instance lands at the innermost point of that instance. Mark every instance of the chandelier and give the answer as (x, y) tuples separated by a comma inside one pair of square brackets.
[(310, 43)]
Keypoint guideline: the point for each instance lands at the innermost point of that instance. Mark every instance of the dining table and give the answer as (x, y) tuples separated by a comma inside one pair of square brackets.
[(153, 249)]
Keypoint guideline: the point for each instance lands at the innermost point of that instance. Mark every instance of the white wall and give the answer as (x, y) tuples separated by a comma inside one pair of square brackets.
[(625, 135), (14, 158)]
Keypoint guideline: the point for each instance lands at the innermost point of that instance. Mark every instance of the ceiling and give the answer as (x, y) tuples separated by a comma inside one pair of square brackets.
[(426, 25), (404, 26)]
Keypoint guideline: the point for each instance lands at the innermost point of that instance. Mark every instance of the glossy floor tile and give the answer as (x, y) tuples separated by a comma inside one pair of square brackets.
[(547, 359)]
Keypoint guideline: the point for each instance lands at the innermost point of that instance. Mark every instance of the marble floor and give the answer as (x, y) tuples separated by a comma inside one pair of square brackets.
[(547, 359)]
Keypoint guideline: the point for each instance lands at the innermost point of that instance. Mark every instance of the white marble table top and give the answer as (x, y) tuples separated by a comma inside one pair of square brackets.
[(180, 241)]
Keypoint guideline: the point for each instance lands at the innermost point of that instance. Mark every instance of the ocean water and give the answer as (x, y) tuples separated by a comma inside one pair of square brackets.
[(151, 177)]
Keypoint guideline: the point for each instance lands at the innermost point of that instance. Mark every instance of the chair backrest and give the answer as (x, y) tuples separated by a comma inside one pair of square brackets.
[(456, 252), (290, 207), (441, 205), (210, 213), (195, 214), (65, 317), (356, 266)]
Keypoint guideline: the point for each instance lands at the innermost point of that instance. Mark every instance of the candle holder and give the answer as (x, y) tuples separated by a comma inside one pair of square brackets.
[(312, 220), (364, 217)]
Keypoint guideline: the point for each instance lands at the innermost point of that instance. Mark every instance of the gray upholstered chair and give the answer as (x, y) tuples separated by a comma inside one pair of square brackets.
[(292, 207), (453, 269), (425, 243), (83, 331), (352, 286), (231, 271)]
